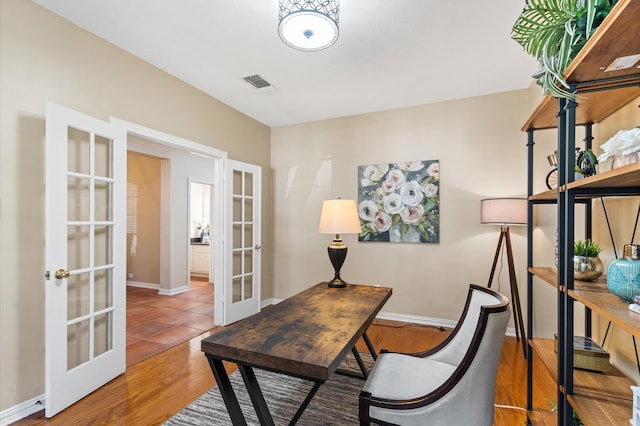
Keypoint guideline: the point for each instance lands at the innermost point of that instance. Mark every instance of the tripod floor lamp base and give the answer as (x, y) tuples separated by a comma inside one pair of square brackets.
[(504, 212), (515, 295)]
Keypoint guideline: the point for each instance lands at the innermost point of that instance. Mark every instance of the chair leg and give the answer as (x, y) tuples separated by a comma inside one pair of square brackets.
[(363, 409)]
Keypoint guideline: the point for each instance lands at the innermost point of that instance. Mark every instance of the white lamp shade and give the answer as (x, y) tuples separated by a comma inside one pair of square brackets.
[(339, 217), (503, 211)]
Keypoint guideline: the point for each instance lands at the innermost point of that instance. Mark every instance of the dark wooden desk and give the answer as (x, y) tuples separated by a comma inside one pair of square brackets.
[(306, 336)]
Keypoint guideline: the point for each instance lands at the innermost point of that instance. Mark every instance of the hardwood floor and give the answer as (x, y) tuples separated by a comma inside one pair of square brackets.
[(154, 389)]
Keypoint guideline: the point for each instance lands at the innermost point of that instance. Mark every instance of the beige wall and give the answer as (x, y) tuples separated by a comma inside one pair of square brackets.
[(45, 58), (482, 154), (144, 263)]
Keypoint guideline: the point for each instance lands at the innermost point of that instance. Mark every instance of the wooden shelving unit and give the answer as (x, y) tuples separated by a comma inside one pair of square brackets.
[(597, 398)]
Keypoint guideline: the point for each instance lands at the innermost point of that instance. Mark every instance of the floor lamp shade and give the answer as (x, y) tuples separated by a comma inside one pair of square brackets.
[(503, 211), (338, 217)]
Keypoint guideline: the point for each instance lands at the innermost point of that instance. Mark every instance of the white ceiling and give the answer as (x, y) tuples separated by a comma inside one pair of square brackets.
[(390, 53)]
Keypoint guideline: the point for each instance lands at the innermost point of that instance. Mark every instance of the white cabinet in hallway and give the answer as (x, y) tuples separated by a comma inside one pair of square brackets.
[(200, 259)]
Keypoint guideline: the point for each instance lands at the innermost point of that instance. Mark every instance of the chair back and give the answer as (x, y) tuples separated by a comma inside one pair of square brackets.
[(479, 300)]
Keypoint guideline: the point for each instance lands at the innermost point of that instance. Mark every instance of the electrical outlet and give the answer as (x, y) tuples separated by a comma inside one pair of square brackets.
[(130, 275)]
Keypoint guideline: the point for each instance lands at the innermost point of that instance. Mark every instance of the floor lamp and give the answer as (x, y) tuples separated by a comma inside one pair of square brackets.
[(504, 212)]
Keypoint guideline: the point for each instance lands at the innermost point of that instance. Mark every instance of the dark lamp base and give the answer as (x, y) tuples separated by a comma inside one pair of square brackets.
[(337, 254), (337, 283)]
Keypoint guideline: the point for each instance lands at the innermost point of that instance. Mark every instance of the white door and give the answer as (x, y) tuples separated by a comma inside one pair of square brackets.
[(241, 240), (85, 255)]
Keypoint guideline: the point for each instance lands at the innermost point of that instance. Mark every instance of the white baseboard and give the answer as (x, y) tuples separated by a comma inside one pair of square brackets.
[(143, 285), (161, 292), (436, 322), (20, 411), (173, 291)]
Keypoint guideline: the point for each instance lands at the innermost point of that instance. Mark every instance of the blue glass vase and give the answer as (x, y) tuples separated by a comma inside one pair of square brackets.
[(623, 276)]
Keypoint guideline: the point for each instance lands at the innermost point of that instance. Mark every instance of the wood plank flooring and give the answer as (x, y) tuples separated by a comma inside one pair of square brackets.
[(154, 389)]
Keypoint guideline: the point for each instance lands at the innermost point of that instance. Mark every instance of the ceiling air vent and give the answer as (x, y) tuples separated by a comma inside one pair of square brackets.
[(258, 82)]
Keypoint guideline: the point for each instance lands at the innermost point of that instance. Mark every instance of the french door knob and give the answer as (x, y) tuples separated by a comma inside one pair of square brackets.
[(61, 273)]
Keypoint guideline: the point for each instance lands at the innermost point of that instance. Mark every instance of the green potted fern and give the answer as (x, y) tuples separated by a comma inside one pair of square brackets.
[(553, 32), (587, 266)]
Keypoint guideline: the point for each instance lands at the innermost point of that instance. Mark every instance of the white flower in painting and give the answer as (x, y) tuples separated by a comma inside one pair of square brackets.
[(393, 203), (367, 210), (412, 215), (382, 222), (396, 177), (379, 195), (410, 166), (624, 142), (388, 186), (373, 174), (434, 169), (429, 189), (411, 193)]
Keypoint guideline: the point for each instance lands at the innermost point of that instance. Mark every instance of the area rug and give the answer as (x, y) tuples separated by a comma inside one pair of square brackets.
[(335, 403)]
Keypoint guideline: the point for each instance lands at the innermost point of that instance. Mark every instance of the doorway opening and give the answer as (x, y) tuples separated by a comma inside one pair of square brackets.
[(166, 305)]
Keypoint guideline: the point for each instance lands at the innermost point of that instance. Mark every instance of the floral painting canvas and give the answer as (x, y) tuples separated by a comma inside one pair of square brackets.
[(400, 202)]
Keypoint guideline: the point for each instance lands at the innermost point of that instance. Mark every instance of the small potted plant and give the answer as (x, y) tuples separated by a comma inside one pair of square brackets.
[(587, 266)]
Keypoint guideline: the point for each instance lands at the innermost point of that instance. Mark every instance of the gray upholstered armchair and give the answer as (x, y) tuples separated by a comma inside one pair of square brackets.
[(451, 384)]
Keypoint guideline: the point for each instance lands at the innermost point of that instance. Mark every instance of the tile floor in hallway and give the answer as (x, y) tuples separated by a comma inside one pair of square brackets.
[(156, 322)]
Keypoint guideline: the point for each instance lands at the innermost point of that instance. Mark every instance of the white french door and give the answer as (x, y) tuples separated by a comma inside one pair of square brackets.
[(85, 255), (241, 289)]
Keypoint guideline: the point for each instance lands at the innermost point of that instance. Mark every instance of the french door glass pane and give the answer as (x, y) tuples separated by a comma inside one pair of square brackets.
[(103, 196), (236, 286), (78, 199), (78, 154), (248, 287), (77, 344), (248, 184), (103, 289), (78, 289), (103, 329), (77, 247), (102, 245), (103, 157)]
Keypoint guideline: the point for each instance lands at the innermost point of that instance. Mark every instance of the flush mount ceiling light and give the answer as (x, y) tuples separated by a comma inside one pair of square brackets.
[(309, 24)]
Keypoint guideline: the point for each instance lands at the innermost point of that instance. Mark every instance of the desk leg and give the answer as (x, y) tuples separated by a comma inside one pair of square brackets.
[(228, 395), (372, 350), (253, 388)]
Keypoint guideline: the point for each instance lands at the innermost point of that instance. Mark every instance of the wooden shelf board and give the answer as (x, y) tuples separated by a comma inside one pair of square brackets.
[(550, 195), (614, 383), (616, 37), (622, 177), (592, 108), (549, 275), (542, 417), (597, 411), (610, 307), (598, 399)]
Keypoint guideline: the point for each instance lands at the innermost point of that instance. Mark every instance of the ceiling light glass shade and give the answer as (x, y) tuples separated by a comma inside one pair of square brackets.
[(309, 24)]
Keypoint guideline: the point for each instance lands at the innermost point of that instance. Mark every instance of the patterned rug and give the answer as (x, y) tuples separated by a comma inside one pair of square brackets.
[(335, 403)]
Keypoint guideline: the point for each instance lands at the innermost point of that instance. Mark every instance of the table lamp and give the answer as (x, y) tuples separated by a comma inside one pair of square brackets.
[(338, 217), (504, 212)]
